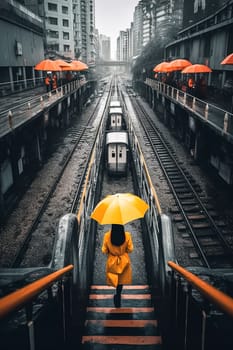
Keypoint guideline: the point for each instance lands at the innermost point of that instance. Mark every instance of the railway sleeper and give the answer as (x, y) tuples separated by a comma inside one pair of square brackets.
[(203, 230), (193, 216), (186, 196)]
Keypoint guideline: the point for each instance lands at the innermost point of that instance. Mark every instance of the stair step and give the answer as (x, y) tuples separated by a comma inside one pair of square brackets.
[(133, 287), (120, 327), (122, 339), (132, 326)]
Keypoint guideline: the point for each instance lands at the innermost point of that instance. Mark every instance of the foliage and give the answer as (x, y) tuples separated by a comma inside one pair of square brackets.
[(153, 52)]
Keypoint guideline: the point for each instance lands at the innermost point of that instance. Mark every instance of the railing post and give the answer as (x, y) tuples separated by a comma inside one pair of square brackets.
[(194, 103), (185, 96), (186, 325), (10, 119), (206, 111), (203, 330), (30, 325), (225, 123), (42, 101)]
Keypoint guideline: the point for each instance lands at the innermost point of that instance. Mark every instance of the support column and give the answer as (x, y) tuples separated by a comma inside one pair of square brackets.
[(11, 79), (24, 77)]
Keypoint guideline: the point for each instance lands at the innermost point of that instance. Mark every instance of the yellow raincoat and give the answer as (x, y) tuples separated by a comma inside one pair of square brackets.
[(114, 278)]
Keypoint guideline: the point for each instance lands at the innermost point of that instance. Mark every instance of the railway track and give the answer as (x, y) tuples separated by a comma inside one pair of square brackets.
[(193, 215), (28, 252)]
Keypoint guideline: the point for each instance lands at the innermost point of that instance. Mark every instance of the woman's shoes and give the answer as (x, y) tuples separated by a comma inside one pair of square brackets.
[(117, 300)]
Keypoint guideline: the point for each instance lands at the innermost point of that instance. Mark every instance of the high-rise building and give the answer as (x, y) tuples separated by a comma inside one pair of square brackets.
[(122, 46), (137, 29), (69, 27), (87, 31), (168, 15), (104, 47), (58, 25)]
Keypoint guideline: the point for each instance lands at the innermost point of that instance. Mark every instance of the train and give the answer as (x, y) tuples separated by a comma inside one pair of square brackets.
[(116, 150), (116, 142), (115, 116)]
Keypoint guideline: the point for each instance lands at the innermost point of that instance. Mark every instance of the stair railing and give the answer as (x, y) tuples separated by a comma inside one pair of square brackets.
[(25, 298), (202, 315)]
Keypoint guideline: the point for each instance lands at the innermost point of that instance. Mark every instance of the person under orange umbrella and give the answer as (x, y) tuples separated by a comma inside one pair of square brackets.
[(117, 244)]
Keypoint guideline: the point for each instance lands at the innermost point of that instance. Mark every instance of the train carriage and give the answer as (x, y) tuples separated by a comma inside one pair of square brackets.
[(115, 118), (117, 152), (115, 103)]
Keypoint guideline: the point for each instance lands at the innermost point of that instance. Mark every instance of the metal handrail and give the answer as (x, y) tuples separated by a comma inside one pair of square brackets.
[(223, 301), (19, 298), (220, 118)]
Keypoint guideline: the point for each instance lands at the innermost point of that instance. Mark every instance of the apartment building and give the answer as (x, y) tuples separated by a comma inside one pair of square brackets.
[(69, 27), (104, 47)]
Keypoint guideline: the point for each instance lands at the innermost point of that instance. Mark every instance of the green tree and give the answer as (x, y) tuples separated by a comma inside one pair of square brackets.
[(153, 52)]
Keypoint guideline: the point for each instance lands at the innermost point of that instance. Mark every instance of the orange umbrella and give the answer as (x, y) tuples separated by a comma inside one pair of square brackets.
[(65, 66), (78, 65), (47, 65), (161, 67), (197, 68), (228, 59), (179, 64)]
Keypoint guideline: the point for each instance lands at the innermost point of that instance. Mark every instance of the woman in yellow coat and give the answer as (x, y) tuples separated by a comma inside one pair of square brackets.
[(117, 244)]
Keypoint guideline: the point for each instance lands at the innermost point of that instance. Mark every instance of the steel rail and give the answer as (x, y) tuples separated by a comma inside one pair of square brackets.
[(196, 242)]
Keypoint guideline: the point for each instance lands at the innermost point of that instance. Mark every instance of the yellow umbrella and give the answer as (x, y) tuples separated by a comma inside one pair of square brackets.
[(119, 208)]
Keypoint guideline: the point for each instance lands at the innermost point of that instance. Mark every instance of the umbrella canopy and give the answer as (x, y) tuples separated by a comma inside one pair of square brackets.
[(179, 64), (65, 66), (161, 67), (119, 208), (228, 59), (197, 68), (78, 65), (47, 65)]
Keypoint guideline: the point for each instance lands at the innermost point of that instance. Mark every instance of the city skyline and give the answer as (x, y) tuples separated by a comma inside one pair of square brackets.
[(112, 17)]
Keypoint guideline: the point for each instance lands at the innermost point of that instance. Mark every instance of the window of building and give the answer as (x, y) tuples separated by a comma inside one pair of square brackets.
[(52, 7), (65, 22), (66, 48), (66, 35), (53, 20), (54, 47), (53, 34), (65, 10)]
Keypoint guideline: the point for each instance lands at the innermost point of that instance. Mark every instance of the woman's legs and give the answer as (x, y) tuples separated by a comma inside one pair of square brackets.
[(117, 296), (119, 289)]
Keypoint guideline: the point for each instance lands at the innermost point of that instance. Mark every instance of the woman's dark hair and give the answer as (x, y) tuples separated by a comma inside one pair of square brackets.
[(117, 234)]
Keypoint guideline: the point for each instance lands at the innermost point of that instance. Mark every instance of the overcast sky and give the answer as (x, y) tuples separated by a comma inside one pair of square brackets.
[(111, 16)]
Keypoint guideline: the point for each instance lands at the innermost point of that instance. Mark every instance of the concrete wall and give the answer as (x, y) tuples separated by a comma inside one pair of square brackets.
[(21, 38)]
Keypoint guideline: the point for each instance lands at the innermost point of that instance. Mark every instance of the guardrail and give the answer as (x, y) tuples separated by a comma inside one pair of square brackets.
[(201, 315), (217, 117), (15, 116), (24, 305)]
